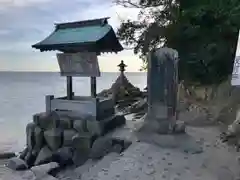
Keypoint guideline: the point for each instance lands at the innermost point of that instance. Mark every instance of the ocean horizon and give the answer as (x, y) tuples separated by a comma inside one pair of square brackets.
[(23, 95)]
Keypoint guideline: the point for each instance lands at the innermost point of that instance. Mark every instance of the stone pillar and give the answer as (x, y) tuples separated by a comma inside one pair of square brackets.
[(162, 90), (156, 87)]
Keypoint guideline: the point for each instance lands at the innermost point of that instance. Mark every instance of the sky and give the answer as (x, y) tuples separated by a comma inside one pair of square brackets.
[(26, 22)]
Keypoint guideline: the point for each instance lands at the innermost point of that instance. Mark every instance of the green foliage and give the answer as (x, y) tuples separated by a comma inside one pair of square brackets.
[(204, 33)]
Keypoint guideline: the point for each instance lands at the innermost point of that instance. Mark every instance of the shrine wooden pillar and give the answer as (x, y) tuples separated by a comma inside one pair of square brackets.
[(93, 87), (69, 88)]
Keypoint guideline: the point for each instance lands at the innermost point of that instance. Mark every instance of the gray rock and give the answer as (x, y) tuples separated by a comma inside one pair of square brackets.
[(101, 147), (23, 153), (53, 138), (179, 127), (66, 123), (80, 126), (64, 156), (45, 120), (68, 136), (139, 105), (30, 135), (39, 138), (16, 164), (83, 141), (42, 170), (80, 157), (95, 127), (30, 158), (44, 156)]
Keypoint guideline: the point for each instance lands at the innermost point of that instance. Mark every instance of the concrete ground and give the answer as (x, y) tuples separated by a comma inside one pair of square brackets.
[(197, 156)]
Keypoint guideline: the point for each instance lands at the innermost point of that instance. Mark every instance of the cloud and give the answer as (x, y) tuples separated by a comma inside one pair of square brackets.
[(25, 22)]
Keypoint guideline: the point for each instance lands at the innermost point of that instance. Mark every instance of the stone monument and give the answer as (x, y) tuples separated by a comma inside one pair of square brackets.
[(162, 81)]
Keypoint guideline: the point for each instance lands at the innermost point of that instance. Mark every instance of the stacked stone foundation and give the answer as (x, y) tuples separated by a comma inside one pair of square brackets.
[(54, 138)]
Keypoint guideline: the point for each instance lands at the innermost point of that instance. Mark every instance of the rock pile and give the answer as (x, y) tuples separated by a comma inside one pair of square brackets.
[(122, 91), (63, 140)]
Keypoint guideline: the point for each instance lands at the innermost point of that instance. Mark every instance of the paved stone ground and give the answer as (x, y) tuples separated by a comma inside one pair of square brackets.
[(147, 161)]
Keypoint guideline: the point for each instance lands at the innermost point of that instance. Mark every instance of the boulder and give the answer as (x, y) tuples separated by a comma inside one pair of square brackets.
[(179, 127), (16, 164), (46, 120), (43, 170), (80, 125), (95, 127), (83, 141), (43, 120), (121, 90), (30, 128), (63, 156), (38, 138), (140, 105), (44, 156), (79, 158), (101, 147), (53, 138), (30, 158), (23, 154), (68, 136), (66, 123), (114, 122)]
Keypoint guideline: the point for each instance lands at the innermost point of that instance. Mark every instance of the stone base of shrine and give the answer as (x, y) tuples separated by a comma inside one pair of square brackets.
[(61, 139)]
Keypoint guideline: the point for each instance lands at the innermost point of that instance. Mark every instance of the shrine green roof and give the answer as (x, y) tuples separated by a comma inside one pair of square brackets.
[(92, 35)]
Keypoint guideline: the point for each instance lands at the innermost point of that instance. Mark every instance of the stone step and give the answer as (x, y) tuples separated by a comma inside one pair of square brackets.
[(101, 166)]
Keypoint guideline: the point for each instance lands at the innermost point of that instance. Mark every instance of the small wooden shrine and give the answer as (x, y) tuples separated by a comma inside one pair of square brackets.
[(80, 43)]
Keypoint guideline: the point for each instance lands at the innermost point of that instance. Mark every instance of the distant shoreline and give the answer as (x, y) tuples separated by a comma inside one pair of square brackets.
[(142, 72)]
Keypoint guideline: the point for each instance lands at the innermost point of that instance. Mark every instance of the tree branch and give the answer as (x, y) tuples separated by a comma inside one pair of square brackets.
[(130, 4)]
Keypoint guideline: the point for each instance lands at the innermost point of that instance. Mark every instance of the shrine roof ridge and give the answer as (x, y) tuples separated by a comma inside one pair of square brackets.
[(84, 23)]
